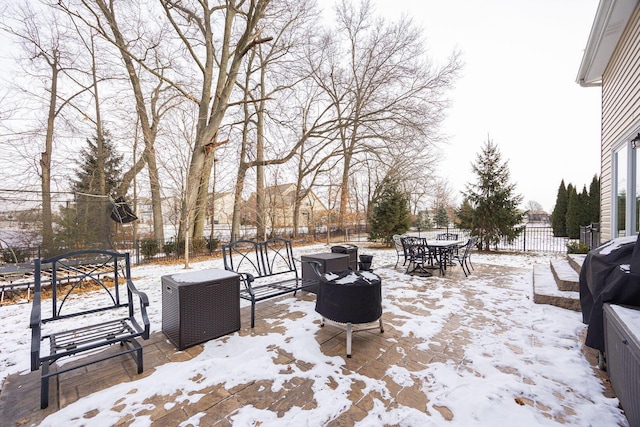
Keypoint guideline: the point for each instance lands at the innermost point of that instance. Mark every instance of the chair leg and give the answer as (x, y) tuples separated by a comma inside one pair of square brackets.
[(381, 326), (253, 314), (44, 386), (139, 360), (349, 334), (462, 265)]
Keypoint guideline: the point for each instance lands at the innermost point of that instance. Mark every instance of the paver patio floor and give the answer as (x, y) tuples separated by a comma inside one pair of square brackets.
[(373, 354)]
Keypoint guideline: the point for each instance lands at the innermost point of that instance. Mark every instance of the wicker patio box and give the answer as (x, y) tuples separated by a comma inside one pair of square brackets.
[(199, 306), (622, 343)]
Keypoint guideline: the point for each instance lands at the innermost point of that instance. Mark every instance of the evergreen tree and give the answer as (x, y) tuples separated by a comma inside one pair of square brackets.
[(584, 203), (573, 213), (493, 200), (594, 200), (87, 223), (464, 216), (422, 220), (559, 214), (442, 217), (390, 213)]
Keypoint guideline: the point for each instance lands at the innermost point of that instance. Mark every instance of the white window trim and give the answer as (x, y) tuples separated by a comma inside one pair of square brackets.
[(632, 166)]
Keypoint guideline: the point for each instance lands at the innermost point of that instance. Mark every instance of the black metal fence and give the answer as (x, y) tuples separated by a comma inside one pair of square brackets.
[(533, 238), (16, 267)]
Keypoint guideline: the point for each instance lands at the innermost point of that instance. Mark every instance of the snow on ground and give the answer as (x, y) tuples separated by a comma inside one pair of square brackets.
[(522, 349)]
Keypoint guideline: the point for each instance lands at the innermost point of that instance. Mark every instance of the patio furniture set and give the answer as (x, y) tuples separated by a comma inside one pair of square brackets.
[(421, 255), (196, 306)]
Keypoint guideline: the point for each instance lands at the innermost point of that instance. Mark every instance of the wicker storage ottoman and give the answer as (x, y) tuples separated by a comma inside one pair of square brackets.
[(199, 306), (622, 342)]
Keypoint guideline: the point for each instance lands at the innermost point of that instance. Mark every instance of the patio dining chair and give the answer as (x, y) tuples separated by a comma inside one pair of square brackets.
[(463, 254), (397, 242), (450, 236), (447, 236), (473, 245), (419, 255)]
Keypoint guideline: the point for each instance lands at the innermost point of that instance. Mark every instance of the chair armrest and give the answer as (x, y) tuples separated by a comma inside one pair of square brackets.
[(36, 311), (144, 299), (144, 303), (247, 279)]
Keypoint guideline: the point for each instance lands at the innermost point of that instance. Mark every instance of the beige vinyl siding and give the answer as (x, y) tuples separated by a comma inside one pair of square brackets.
[(620, 110)]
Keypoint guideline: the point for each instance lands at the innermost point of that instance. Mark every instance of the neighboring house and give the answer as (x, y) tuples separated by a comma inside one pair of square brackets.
[(537, 217), (280, 200), (612, 60), (223, 208)]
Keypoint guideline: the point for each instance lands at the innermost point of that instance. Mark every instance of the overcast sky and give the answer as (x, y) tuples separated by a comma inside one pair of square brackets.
[(517, 87)]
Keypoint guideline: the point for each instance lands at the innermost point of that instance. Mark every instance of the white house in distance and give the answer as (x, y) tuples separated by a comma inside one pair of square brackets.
[(612, 61), (280, 200), (223, 208)]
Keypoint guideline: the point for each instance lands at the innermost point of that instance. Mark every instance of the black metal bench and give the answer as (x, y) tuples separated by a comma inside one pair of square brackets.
[(267, 269), (116, 314)]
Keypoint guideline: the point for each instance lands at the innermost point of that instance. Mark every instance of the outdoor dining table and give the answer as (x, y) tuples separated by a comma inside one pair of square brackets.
[(421, 252), (442, 250)]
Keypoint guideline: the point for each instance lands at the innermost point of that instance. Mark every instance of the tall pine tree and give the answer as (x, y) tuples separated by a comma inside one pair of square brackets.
[(594, 200), (442, 217), (390, 213), (574, 208), (493, 202), (559, 214), (87, 224)]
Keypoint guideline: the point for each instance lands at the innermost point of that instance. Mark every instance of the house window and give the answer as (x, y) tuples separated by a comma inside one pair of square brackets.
[(620, 204), (626, 203)]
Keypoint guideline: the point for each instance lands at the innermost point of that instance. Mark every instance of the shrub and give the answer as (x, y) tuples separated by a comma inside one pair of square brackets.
[(169, 247), (8, 255), (149, 247), (577, 248), (212, 243)]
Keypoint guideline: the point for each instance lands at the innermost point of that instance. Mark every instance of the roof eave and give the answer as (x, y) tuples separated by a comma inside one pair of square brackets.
[(609, 23)]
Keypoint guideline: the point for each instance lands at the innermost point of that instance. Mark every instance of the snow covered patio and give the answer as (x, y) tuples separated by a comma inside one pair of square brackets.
[(456, 351)]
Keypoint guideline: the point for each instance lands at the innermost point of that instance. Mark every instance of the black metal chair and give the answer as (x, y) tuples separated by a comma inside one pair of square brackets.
[(463, 254), (447, 236), (418, 254), (351, 300), (397, 242), (454, 251)]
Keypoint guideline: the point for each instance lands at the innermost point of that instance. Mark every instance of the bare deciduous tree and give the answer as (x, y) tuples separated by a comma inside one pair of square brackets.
[(386, 92), (45, 41), (140, 51), (217, 57)]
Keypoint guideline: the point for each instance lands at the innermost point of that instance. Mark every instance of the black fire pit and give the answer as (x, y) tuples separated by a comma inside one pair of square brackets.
[(349, 299)]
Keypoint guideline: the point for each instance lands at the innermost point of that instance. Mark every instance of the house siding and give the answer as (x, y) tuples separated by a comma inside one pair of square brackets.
[(620, 111)]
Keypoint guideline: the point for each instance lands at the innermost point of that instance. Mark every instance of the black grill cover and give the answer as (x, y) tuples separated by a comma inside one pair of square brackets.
[(610, 273), (350, 297)]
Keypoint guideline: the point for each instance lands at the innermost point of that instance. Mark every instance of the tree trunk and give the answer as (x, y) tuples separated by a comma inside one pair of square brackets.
[(237, 202), (261, 217), (45, 160)]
